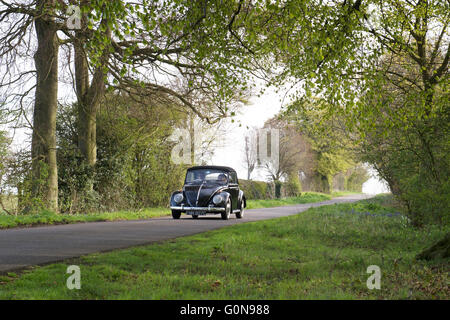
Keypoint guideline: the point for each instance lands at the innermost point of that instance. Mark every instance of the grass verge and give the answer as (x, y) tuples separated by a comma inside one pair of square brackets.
[(306, 197), (322, 253), (49, 218)]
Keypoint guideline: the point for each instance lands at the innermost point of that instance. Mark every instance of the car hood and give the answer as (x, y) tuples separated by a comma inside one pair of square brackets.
[(199, 195)]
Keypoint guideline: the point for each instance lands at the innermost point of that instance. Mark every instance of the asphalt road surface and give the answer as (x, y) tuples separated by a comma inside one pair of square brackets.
[(23, 247)]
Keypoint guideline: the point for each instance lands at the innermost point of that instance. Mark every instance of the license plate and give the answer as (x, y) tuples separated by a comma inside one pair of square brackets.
[(199, 213)]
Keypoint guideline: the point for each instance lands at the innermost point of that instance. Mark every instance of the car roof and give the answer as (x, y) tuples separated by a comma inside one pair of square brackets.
[(228, 169)]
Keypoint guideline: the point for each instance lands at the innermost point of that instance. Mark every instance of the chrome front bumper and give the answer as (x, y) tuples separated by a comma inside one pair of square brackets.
[(201, 209)]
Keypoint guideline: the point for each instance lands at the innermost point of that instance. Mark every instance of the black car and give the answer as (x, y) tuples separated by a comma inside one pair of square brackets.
[(209, 189)]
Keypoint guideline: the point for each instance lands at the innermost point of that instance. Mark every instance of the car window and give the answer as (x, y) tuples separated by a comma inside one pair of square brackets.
[(213, 176), (209, 176)]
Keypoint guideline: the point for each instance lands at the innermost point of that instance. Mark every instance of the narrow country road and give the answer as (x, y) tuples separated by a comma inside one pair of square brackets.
[(24, 247)]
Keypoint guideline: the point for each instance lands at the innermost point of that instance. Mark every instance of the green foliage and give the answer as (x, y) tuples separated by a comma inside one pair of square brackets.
[(3, 170), (3, 155), (409, 148), (426, 202), (259, 190), (293, 187), (4, 141), (321, 183), (356, 179), (191, 36), (392, 100), (75, 176), (137, 145), (133, 169), (28, 201), (311, 145), (330, 164), (330, 152), (255, 189)]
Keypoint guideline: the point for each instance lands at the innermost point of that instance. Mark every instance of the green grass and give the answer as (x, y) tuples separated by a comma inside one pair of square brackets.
[(306, 197), (50, 218), (343, 193), (322, 253)]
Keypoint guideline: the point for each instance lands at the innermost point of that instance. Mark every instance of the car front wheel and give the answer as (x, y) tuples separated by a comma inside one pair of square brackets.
[(176, 214), (226, 214)]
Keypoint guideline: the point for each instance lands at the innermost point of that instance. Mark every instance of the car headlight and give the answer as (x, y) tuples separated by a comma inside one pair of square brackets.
[(217, 199), (178, 197)]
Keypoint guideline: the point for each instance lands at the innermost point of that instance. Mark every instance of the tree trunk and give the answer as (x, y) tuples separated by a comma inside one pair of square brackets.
[(440, 250), (43, 147), (278, 184), (88, 96), (87, 109), (192, 138)]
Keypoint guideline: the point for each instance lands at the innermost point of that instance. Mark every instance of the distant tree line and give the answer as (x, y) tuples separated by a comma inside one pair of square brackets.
[(307, 161)]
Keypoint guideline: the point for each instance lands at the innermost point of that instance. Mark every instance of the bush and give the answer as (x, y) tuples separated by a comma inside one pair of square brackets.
[(255, 190), (133, 168), (427, 203), (75, 177), (293, 187), (258, 190)]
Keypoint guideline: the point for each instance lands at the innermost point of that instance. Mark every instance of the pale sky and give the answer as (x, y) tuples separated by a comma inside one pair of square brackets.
[(253, 115)]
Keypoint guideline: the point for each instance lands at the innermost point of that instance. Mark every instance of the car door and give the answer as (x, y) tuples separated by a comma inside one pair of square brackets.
[(234, 190)]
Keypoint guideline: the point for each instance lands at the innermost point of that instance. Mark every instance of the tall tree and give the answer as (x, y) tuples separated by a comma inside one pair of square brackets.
[(43, 148), (290, 149), (382, 67), (20, 18), (251, 152)]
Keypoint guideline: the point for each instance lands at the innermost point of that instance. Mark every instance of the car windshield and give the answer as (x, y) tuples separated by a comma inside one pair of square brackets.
[(209, 176)]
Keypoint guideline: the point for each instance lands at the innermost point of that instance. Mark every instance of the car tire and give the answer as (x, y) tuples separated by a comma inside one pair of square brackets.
[(176, 214), (226, 214), (240, 214), (195, 216)]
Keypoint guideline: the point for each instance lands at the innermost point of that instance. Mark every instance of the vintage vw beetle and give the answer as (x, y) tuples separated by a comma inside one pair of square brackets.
[(209, 189)]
